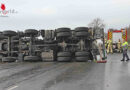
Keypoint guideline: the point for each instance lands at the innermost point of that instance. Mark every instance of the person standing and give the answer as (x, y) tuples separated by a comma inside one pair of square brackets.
[(100, 49), (125, 49), (109, 48), (119, 46)]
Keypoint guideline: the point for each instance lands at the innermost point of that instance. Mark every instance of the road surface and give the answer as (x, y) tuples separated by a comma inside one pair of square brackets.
[(114, 75)]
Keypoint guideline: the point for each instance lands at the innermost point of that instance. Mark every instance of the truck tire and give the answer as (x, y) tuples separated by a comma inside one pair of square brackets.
[(42, 33), (3, 37), (31, 58), (1, 56), (63, 30), (29, 32), (4, 46), (21, 34), (64, 54), (82, 59), (82, 29), (64, 34), (64, 59), (15, 38), (8, 59), (81, 53), (81, 34), (9, 33)]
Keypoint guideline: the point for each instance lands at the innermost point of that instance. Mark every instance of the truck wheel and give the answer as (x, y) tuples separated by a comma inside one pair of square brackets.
[(9, 33), (1, 56), (64, 59), (64, 54), (3, 37), (42, 33), (31, 58), (64, 34), (4, 46), (81, 34), (63, 30), (82, 59), (8, 59), (21, 34), (15, 38), (82, 29), (29, 32), (83, 53)]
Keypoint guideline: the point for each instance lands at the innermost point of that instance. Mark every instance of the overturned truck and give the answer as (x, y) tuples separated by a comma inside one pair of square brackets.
[(62, 45)]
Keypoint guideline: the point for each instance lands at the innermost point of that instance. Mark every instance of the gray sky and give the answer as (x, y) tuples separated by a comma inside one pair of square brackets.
[(51, 14)]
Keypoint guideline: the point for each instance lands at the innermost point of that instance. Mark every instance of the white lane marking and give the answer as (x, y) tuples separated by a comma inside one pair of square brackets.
[(12, 88)]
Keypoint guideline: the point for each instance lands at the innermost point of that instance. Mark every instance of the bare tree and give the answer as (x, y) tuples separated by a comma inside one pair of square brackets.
[(97, 23)]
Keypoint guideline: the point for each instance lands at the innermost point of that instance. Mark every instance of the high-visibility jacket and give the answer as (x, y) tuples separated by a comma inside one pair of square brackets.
[(125, 45)]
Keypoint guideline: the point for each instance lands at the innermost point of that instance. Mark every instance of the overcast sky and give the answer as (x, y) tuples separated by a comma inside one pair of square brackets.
[(51, 14)]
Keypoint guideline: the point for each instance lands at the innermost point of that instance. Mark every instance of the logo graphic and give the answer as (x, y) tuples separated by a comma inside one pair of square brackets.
[(4, 11), (3, 7)]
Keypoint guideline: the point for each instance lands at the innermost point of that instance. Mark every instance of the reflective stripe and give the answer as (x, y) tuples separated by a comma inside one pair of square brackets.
[(125, 43), (125, 46)]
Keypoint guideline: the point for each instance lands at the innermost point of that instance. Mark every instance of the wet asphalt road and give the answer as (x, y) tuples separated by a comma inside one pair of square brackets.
[(114, 75)]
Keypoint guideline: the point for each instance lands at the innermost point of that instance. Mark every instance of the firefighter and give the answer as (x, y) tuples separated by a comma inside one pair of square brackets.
[(119, 46), (125, 49), (105, 43), (109, 48), (99, 44)]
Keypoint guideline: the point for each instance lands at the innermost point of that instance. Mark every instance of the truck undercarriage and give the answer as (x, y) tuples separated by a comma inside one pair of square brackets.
[(62, 45)]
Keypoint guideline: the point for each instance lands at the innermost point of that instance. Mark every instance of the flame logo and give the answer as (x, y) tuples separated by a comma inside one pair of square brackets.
[(3, 7)]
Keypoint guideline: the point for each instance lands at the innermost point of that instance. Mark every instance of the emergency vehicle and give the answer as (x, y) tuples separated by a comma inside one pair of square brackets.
[(115, 36)]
